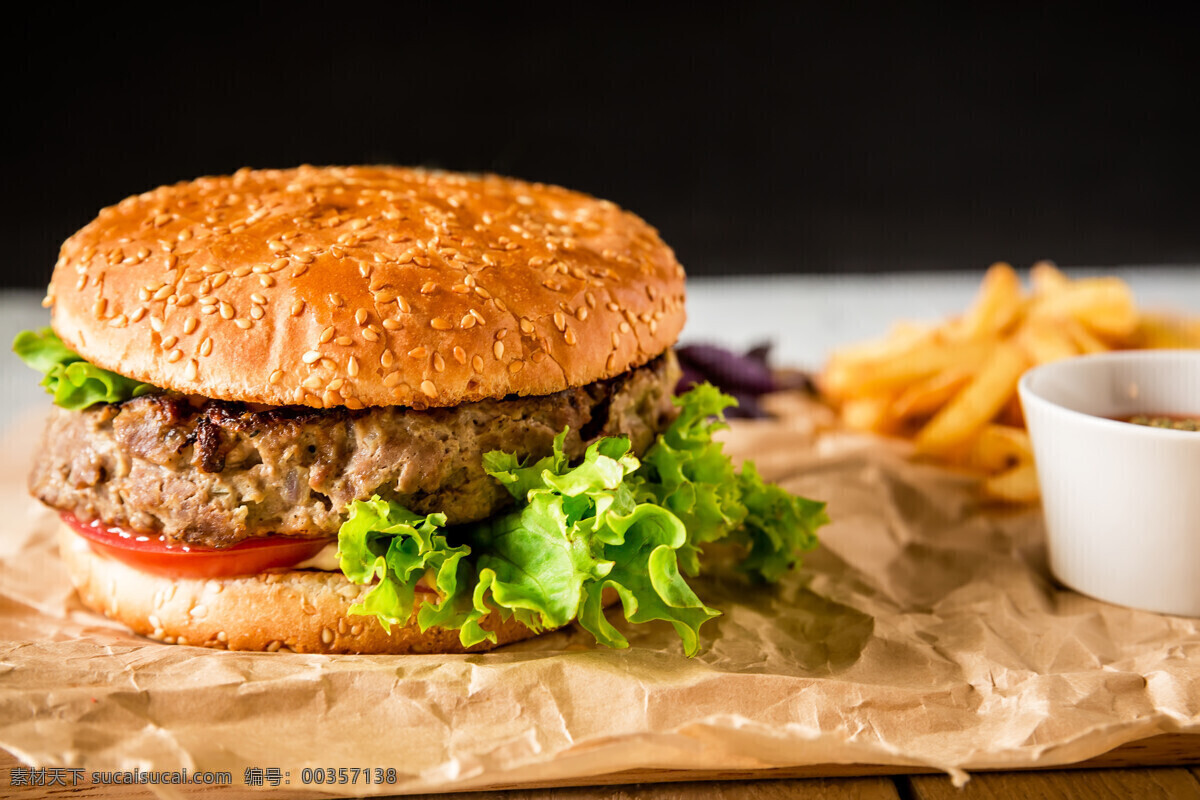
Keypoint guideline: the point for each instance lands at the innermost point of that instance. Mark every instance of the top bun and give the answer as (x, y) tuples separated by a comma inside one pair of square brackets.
[(366, 286)]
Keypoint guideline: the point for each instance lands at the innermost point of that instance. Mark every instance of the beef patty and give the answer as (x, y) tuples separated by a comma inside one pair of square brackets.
[(213, 473)]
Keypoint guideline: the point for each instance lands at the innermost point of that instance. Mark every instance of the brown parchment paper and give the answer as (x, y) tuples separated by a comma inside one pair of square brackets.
[(924, 631)]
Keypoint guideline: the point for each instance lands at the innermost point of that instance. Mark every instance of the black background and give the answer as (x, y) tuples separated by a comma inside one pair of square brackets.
[(756, 138)]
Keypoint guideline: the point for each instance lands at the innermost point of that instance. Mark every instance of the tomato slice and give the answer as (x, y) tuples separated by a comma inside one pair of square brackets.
[(150, 553)]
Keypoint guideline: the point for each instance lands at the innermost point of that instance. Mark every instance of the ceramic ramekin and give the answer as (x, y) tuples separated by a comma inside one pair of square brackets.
[(1122, 501)]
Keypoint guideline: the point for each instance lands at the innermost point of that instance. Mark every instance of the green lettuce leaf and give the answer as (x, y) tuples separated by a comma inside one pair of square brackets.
[(611, 522), (73, 382)]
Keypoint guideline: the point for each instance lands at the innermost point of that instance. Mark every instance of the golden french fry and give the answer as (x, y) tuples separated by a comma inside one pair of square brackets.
[(1047, 279), (869, 414), (1016, 485), (1084, 339), (1105, 305), (999, 303), (848, 367), (999, 448), (905, 368), (1045, 341), (976, 404), (928, 395), (1158, 330)]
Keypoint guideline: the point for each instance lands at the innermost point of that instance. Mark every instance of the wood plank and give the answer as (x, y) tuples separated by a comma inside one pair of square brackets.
[(810, 789), (1167, 783), (1165, 749)]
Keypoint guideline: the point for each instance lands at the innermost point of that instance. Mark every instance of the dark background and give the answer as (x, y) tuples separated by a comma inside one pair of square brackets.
[(757, 139)]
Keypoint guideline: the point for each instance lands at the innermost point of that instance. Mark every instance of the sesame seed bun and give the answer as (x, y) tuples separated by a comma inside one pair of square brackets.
[(366, 286), (306, 611)]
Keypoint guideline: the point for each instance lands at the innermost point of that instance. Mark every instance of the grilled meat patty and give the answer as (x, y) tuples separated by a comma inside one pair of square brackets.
[(213, 473)]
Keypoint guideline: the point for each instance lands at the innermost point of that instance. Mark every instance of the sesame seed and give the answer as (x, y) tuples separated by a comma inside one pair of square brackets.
[(404, 306), (330, 398), (418, 352), (391, 379), (477, 363), (174, 356), (208, 309), (460, 288), (428, 388), (569, 336), (516, 367), (276, 377), (297, 308), (560, 320), (526, 325), (352, 367), (144, 294), (616, 340), (241, 272), (300, 270), (190, 325), (343, 341), (243, 323), (311, 382), (460, 355), (311, 356), (590, 298), (428, 287), (219, 280), (137, 315), (581, 313), (440, 323), (498, 349), (439, 363), (467, 321), (478, 317), (227, 311), (192, 370), (361, 316), (386, 359), (611, 363), (370, 335), (327, 335), (164, 292), (169, 342), (258, 299), (256, 312), (184, 300), (391, 324), (119, 321), (624, 327), (538, 356), (337, 299)]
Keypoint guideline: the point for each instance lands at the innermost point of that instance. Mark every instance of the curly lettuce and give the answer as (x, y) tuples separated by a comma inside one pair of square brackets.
[(73, 382), (610, 522)]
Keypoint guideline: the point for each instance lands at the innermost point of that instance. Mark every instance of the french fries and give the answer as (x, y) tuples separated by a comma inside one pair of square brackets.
[(951, 387)]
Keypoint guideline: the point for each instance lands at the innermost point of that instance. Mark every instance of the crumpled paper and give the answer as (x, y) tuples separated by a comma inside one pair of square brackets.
[(925, 631)]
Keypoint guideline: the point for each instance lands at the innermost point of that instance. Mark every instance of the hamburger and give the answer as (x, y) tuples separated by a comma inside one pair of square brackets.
[(384, 410)]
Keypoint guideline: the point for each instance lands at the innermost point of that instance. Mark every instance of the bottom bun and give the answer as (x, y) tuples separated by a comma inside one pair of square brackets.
[(306, 611)]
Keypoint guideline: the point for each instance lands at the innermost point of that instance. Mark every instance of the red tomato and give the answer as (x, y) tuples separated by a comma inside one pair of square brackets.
[(150, 553)]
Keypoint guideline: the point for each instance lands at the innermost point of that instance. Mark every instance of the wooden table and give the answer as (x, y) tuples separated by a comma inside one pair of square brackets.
[(1166, 766)]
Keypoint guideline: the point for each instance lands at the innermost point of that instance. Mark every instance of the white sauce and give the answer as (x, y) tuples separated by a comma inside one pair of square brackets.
[(326, 560)]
